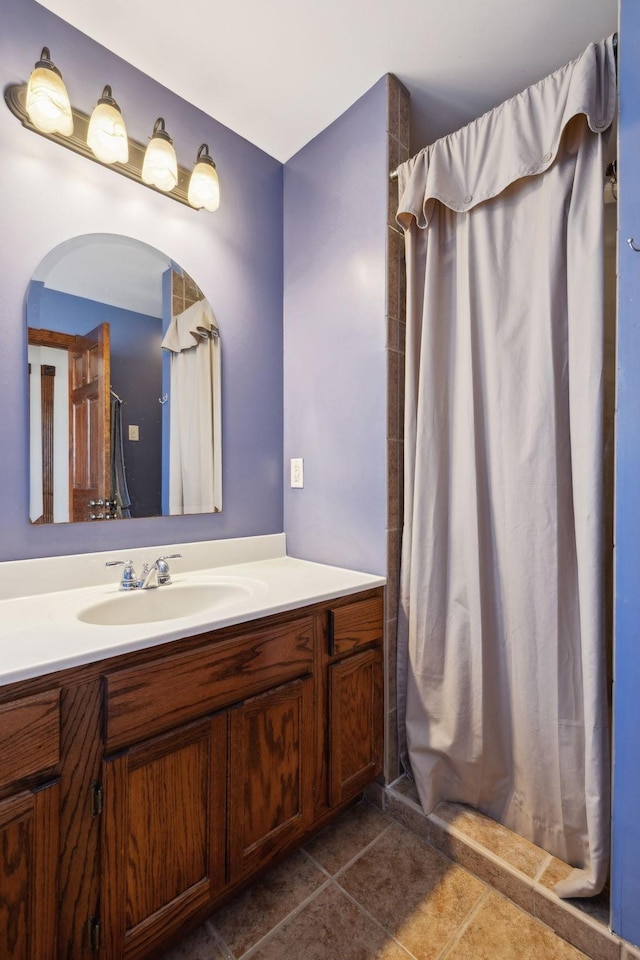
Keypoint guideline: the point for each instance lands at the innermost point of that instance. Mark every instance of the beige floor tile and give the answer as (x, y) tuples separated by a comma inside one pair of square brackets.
[(483, 864), (201, 945), (341, 841), (555, 871), (259, 908), (500, 930), (515, 850), (416, 893), (330, 927)]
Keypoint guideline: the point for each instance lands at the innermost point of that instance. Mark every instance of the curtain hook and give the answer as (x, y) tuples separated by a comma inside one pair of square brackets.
[(632, 245)]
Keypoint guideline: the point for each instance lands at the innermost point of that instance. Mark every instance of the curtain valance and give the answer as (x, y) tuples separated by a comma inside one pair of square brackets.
[(519, 138), (189, 328)]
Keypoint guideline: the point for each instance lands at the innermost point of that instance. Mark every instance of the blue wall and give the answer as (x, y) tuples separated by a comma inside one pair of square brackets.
[(136, 376), (48, 195), (625, 885), (335, 209)]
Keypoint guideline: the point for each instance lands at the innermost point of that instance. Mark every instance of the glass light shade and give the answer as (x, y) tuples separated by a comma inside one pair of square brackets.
[(107, 135), (48, 103), (204, 186), (160, 165)]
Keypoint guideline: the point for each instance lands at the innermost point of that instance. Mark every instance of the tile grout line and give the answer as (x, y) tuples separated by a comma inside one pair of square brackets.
[(537, 888), (478, 846), (366, 849), (219, 939), (353, 859), (315, 863), (330, 879), (292, 913), (371, 917), (587, 921), (543, 869), (457, 936), (456, 833), (450, 830)]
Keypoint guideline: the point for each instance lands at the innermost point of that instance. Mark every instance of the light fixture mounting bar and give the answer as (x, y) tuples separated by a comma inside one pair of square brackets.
[(15, 97)]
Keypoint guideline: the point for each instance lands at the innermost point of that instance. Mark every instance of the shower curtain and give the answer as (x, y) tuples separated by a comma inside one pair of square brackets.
[(501, 655), (195, 419)]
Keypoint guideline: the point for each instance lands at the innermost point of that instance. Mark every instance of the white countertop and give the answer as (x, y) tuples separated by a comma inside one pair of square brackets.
[(40, 631)]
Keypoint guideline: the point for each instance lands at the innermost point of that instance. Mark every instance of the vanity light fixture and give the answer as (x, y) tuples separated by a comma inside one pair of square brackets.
[(43, 107), (47, 101), (204, 187), (107, 134), (160, 165)]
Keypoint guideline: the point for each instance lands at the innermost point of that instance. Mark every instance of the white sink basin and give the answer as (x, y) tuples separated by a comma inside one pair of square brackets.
[(170, 602)]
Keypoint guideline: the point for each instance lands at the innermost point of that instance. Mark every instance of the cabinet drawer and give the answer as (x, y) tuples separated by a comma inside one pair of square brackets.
[(157, 696), (29, 736), (355, 626)]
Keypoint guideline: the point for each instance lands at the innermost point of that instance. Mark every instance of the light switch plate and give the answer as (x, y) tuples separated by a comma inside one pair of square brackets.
[(297, 472), (134, 431)]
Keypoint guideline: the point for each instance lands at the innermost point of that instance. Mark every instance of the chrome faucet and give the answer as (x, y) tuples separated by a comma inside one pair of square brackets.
[(129, 579), (158, 571), (156, 575)]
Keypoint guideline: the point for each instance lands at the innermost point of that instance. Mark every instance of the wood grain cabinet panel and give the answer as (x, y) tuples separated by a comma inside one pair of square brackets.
[(355, 626), (78, 869), (28, 871), (29, 736), (213, 676), (164, 824), (356, 722), (271, 771)]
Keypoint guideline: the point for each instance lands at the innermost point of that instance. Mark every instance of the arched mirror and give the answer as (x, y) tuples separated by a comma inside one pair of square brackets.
[(124, 385)]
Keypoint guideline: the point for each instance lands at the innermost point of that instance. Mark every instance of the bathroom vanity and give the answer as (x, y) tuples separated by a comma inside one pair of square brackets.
[(140, 789)]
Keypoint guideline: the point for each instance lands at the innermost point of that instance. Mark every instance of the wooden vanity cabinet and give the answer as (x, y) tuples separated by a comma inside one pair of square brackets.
[(163, 835), (356, 695), (270, 775), (196, 806), (183, 770), (28, 874), (29, 827)]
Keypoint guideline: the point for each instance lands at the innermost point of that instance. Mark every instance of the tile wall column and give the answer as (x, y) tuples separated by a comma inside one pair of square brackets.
[(397, 151)]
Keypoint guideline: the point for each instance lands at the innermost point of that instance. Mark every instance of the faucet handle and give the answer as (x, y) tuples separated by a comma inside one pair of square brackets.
[(129, 579), (161, 565)]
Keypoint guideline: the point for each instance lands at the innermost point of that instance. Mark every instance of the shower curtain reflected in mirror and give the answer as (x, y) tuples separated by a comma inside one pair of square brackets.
[(195, 434), (119, 488), (501, 669)]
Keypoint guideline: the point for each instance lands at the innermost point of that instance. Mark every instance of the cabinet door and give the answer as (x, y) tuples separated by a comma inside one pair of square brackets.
[(28, 875), (356, 718), (271, 774), (163, 835)]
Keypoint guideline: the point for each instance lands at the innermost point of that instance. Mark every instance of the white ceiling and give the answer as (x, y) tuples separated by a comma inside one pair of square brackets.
[(133, 280), (279, 71)]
